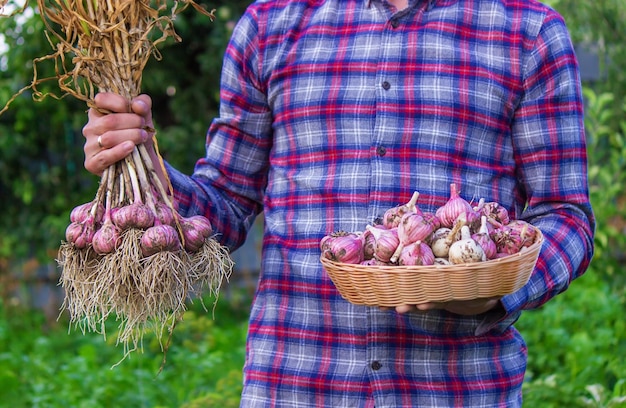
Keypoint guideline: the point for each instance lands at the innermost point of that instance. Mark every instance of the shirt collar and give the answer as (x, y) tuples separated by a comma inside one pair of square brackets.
[(431, 3)]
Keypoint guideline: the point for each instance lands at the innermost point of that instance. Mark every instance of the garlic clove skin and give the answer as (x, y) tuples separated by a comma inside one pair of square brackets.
[(107, 239), (164, 214), (159, 238), (393, 216), (344, 247), (432, 220), (82, 212), (413, 227), (200, 223), (133, 216), (466, 250), (194, 235), (73, 231), (327, 240), (440, 242), (453, 207), (527, 232), (487, 245), (494, 211), (386, 242), (81, 234), (369, 244), (483, 239), (417, 253), (441, 261), (514, 236)]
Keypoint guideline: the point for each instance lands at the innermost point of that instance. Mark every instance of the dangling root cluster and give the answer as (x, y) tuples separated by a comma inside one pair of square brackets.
[(131, 255)]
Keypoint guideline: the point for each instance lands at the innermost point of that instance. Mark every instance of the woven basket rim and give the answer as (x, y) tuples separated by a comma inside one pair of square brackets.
[(527, 252)]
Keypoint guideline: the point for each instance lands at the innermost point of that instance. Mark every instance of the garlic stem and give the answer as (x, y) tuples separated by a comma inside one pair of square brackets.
[(122, 186), (107, 205), (156, 181), (143, 180), (396, 255), (99, 199), (127, 186), (411, 205), (154, 177), (133, 179)]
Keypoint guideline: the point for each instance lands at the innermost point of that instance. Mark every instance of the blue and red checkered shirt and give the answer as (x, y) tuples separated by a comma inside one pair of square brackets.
[(333, 111)]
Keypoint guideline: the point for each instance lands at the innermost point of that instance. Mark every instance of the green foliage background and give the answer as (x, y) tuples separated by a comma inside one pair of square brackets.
[(52, 369), (577, 342)]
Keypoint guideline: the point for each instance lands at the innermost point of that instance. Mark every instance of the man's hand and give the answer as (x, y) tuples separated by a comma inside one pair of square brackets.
[(115, 126), (460, 307)]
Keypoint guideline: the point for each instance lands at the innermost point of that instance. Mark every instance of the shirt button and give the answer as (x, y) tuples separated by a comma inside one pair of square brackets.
[(381, 150), (376, 365), (386, 85), (395, 24)]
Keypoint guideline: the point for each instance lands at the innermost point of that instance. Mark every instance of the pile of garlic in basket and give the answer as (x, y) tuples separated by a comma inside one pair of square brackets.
[(410, 256), (457, 233)]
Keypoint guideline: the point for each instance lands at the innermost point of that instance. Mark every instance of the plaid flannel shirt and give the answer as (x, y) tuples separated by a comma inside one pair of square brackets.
[(333, 111)]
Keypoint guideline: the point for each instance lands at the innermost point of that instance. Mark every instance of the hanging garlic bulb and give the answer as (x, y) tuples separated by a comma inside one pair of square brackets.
[(159, 238), (81, 233), (195, 230), (108, 238), (81, 213), (136, 215)]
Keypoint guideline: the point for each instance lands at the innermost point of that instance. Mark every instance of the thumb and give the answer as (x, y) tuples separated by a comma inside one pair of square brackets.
[(142, 105)]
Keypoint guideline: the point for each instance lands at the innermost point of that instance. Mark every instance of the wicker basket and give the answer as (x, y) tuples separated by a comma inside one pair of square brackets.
[(408, 285)]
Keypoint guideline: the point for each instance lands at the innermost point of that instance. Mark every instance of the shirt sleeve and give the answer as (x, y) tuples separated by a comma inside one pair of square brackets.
[(228, 183), (549, 141)]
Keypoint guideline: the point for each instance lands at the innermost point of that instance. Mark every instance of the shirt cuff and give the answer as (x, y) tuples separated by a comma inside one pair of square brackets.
[(498, 319)]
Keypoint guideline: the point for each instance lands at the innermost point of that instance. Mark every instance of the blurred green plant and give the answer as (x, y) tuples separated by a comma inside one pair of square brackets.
[(56, 369), (607, 178), (577, 341)]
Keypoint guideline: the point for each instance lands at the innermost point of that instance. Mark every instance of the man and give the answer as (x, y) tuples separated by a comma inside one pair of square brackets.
[(333, 111)]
